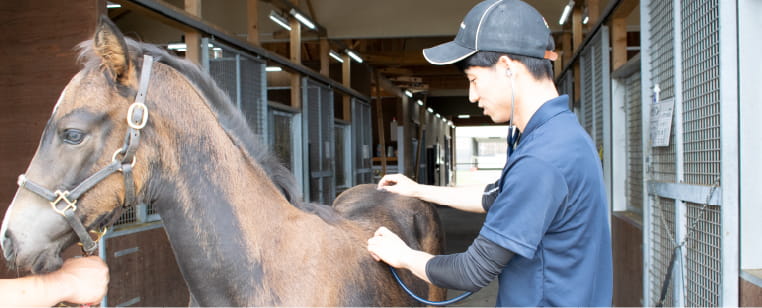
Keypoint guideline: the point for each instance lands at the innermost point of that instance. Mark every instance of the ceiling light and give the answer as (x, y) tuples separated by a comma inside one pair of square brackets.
[(303, 19), (112, 5), (438, 115), (177, 46), (280, 20), (464, 116), (354, 56), (567, 10), (336, 56), (273, 69), (420, 103), (585, 16), (430, 110), (408, 93)]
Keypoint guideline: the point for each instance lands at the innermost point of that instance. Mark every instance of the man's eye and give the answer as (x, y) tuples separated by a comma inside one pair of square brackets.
[(73, 136)]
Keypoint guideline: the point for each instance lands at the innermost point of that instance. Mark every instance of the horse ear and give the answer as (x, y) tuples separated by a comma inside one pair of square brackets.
[(111, 48)]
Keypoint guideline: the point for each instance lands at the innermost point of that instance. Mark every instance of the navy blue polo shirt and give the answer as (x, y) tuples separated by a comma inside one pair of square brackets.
[(551, 211)]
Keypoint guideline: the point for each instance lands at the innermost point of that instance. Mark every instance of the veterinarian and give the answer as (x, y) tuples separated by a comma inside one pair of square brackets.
[(78, 281), (546, 236)]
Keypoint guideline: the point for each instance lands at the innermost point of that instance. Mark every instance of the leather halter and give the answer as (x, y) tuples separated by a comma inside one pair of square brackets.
[(137, 117)]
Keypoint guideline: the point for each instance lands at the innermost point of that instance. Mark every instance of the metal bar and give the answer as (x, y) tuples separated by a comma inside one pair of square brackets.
[(645, 86), (729, 130), (681, 213), (201, 26), (686, 192), (132, 230)]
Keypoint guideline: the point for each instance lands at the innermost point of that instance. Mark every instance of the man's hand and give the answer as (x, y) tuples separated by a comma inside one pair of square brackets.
[(84, 280), (386, 246), (399, 184)]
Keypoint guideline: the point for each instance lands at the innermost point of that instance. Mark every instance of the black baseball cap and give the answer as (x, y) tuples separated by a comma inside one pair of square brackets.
[(509, 26)]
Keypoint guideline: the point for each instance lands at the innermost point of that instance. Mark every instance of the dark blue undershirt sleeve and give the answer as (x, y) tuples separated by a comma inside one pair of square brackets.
[(470, 270), (490, 195)]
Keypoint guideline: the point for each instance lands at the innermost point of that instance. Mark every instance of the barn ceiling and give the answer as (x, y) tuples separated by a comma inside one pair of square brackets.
[(388, 34)]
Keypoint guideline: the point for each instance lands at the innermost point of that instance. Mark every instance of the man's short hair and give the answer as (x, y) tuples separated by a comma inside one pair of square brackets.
[(539, 68)]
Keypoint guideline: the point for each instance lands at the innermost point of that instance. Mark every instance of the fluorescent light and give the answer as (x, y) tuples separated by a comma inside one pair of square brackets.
[(567, 10), (177, 46), (585, 17), (408, 93), (336, 56), (273, 69), (420, 103), (438, 115), (112, 5), (304, 20), (280, 20), (430, 110), (354, 56), (464, 116)]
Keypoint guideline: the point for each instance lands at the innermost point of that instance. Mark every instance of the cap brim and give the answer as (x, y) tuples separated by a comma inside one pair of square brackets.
[(447, 53)]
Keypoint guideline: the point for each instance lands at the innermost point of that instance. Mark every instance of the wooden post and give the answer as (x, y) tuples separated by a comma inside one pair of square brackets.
[(380, 121), (193, 38), (296, 57), (325, 61), (346, 80), (421, 146), (618, 42), (593, 12), (576, 27), (568, 50), (252, 20)]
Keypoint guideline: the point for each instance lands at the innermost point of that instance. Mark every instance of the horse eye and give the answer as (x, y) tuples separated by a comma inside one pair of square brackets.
[(73, 136)]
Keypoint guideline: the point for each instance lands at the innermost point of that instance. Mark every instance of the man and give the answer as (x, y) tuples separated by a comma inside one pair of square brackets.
[(78, 281), (546, 235)]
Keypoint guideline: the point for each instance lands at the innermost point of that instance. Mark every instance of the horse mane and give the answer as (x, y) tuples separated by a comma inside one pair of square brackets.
[(229, 117)]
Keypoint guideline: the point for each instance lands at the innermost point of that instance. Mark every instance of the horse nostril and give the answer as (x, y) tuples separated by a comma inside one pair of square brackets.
[(7, 245)]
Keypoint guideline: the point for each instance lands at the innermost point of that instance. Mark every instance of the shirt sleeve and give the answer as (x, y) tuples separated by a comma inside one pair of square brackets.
[(530, 197), (470, 270), (490, 194)]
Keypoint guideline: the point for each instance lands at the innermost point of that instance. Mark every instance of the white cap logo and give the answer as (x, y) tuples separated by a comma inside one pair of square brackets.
[(462, 25)]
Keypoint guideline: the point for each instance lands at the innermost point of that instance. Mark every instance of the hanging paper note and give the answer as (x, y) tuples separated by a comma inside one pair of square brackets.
[(661, 122)]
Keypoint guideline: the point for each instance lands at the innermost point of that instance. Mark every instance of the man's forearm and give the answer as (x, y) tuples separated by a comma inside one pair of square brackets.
[(467, 199)]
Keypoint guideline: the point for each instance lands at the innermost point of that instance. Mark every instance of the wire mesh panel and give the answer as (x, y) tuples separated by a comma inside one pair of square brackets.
[(566, 84), (318, 106), (340, 132), (703, 258), (634, 133), (362, 137), (253, 93), (661, 21), (598, 84), (243, 78), (586, 95), (282, 137), (701, 91), (662, 238)]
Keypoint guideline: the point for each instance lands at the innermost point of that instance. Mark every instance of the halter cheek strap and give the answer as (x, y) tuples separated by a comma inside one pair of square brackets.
[(65, 202)]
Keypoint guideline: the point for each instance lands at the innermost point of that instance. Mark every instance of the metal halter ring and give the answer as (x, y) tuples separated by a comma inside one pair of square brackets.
[(143, 120), (69, 204), (121, 151)]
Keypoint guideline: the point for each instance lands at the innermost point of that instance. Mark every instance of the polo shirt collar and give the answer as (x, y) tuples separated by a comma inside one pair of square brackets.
[(547, 111)]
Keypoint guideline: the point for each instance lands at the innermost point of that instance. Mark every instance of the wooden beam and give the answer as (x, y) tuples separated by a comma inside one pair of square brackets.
[(325, 61), (568, 49), (252, 20), (193, 38), (346, 80), (576, 27), (618, 42), (380, 122), (625, 8)]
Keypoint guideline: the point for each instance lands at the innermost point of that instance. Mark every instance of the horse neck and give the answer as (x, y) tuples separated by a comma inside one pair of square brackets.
[(217, 205)]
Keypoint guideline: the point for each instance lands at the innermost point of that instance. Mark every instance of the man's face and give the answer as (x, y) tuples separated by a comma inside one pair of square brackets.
[(490, 88)]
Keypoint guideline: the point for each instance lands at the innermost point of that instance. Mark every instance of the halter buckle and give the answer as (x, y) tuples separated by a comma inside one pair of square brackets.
[(121, 151), (144, 117), (63, 196)]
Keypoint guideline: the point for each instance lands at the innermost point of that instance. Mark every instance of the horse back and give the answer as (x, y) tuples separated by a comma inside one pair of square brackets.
[(415, 221)]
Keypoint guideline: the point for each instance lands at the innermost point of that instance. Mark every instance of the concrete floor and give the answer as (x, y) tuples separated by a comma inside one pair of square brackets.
[(460, 230)]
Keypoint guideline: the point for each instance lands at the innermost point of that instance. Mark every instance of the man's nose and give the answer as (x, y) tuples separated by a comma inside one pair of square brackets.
[(472, 96)]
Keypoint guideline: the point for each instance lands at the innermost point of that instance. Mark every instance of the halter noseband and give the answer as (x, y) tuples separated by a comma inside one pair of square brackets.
[(137, 117)]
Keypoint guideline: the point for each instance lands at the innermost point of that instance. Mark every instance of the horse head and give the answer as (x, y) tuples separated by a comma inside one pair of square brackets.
[(76, 179)]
